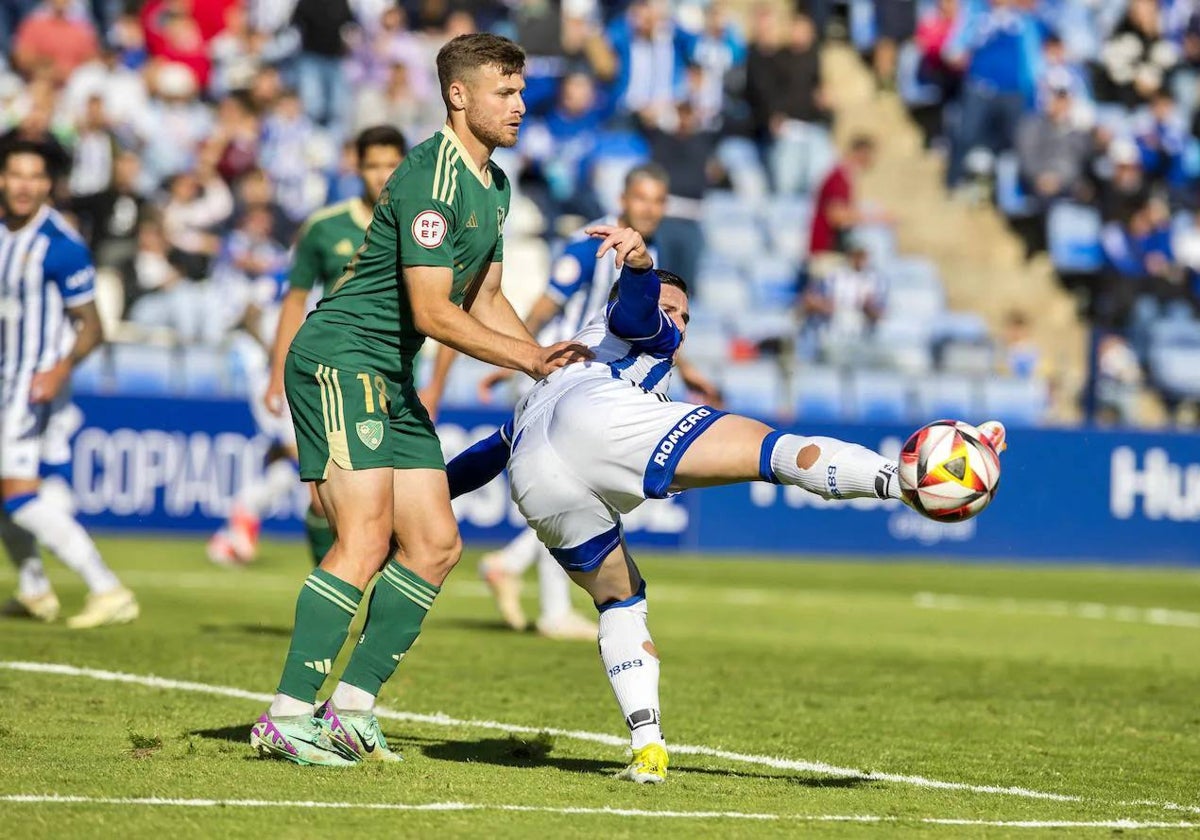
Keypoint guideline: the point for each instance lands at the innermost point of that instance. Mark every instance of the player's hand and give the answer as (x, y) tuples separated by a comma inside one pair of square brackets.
[(273, 397), (484, 389), (627, 245), (45, 385), (549, 359)]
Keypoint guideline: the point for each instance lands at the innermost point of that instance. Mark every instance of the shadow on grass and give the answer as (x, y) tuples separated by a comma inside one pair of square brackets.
[(517, 752), (239, 734), (247, 630), (487, 625)]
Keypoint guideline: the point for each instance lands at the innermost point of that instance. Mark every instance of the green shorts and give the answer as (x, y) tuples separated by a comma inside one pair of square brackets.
[(349, 414)]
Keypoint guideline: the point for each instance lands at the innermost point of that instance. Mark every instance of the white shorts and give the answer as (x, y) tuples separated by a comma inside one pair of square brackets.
[(257, 365), (31, 435), (598, 449)]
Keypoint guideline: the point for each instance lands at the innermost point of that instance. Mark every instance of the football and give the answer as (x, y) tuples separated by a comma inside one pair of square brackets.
[(948, 471)]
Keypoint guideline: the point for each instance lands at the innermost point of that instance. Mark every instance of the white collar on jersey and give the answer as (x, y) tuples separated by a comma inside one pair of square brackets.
[(485, 177)]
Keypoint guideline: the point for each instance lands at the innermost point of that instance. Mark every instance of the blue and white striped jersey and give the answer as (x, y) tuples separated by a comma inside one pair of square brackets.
[(45, 269), (580, 284)]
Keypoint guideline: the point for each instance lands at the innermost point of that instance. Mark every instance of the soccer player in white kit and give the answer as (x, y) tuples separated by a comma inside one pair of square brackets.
[(46, 283), (594, 440)]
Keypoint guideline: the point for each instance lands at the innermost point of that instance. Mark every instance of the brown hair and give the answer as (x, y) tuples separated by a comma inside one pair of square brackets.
[(467, 53)]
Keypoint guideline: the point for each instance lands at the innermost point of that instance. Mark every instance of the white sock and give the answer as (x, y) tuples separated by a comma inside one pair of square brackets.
[(631, 663), (351, 698), (842, 470), (278, 482), (58, 531), (554, 587), (23, 552), (285, 706), (521, 552)]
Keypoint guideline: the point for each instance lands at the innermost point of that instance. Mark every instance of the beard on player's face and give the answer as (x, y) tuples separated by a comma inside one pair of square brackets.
[(492, 130)]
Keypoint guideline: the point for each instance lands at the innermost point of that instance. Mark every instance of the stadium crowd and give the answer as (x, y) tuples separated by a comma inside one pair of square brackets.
[(193, 139)]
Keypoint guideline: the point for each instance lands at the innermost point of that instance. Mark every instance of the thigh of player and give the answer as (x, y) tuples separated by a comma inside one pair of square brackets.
[(21, 438)]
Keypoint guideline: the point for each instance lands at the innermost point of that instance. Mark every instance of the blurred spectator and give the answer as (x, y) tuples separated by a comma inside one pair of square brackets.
[(54, 35), (1136, 58), (249, 256), (129, 40), (1020, 356), (92, 167), (174, 123), (841, 305), (895, 23), (149, 286), (235, 137), (783, 85), (559, 39), (1118, 381), (289, 144), (719, 52), (652, 54), (118, 213), (1052, 151), (1138, 261), (173, 34), (398, 104), (998, 46), (378, 48), (239, 51), (1126, 190), (835, 212), (35, 127), (1162, 138), (685, 151), (559, 148), (344, 181), (1059, 72), (123, 91), (196, 205), (254, 189), (932, 35), (322, 25)]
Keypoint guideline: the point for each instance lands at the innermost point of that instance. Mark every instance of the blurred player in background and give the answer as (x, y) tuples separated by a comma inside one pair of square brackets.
[(595, 440), (46, 283), (430, 265), (326, 242), (577, 292)]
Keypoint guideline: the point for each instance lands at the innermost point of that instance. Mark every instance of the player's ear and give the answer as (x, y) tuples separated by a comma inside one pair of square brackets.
[(457, 94)]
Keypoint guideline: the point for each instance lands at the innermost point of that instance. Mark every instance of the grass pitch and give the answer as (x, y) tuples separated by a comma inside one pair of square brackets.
[(830, 698)]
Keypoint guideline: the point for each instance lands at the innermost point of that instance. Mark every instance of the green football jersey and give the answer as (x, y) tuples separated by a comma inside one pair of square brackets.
[(437, 209), (327, 242)]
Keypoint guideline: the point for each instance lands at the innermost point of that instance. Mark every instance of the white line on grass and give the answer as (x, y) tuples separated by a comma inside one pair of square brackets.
[(154, 801), (1160, 616), (817, 767)]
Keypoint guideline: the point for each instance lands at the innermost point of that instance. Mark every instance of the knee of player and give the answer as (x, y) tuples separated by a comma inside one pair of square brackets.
[(441, 550), (373, 544), (808, 456)]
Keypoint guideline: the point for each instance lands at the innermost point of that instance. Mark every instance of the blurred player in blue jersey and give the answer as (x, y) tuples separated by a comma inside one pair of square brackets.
[(46, 289), (594, 440), (577, 292)]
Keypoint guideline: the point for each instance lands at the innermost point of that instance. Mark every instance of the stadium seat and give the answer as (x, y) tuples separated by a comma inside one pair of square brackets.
[(901, 342), (740, 240), (877, 396), (204, 372), (912, 90), (1017, 402), (721, 207), (948, 396), (741, 160), (773, 280), (971, 358), (753, 388), (960, 326), (143, 370), (93, 374), (1183, 332), (1176, 370), (879, 241), (820, 394), (759, 325), (728, 296), (1073, 234), (616, 153), (1012, 199)]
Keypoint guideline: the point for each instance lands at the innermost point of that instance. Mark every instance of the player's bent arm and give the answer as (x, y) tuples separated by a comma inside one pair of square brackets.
[(476, 466), (493, 309), (436, 316), (89, 331), (431, 394), (635, 315), (291, 316), (544, 310)]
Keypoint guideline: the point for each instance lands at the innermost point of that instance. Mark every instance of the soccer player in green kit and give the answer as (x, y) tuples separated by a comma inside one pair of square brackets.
[(327, 241), (429, 265)]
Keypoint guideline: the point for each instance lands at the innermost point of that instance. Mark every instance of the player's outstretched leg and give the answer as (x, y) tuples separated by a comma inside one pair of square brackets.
[(630, 660), (108, 601), (34, 597), (404, 593), (501, 570), (236, 543), (558, 619)]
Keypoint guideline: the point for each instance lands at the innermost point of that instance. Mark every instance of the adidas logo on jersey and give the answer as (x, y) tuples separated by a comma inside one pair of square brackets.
[(321, 666), (472, 222)]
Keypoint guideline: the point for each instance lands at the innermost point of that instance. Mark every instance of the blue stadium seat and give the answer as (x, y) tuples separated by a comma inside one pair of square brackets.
[(739, 240), (729, 296), (1073, 234), (878, 396), (143, 370), (960, 326), (773, 280), (1180, 332), (1012, 199), (759, 325), (902, 343), (753, 388), (1176, 370), (204, 372), (820, 394), (92, 376), (972, 358), (911, 89), (721, 207), (948, 396), (1017, 402), (879, 241)]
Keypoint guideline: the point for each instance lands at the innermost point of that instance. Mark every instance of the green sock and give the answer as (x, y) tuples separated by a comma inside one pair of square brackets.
[(324, 609), (394, 615), (319, 534)]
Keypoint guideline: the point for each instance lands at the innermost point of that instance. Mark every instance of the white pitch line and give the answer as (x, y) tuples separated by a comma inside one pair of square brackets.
[(1158, 616), (154, 801), (817, 767)]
